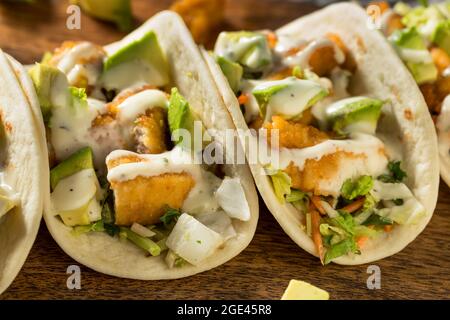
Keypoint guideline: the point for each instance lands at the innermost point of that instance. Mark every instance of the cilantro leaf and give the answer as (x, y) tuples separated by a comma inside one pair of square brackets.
[(396, 174), (352, 189), (170, 217)]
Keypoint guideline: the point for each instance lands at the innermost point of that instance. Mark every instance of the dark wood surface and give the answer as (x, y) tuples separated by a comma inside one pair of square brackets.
[(264, 269)]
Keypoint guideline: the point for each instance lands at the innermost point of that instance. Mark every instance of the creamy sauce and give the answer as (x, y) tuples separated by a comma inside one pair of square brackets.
[(71, 63), (287, 42), (251, 111), (248, 50), (72, 130), (373, 163), (139, 103), (201, 197), (443, 126), (302, 57), (291, 100)]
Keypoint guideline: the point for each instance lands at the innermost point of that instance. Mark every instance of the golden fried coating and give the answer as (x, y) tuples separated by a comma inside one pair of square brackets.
[(203, 17), (349, 63), (280, 74), (316, 171), (144, 199), (431, 97), (294, 134), (149, 132), (440, 58), (322, 61)]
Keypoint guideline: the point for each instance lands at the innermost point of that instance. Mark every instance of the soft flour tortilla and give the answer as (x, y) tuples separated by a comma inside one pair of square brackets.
[(23, 164), (407, 124), (192, 77)]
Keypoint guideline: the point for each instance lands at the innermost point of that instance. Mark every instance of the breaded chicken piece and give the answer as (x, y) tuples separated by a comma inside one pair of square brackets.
[(440, 58), (203, 17), (349, 62), (144, 199), (150, 132), (324, 175), (294, 134), (122, 96), (322, 61)]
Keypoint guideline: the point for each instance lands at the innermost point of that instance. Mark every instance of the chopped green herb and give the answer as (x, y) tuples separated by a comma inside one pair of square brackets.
[(170, 217), (396, 174), (376, 220)]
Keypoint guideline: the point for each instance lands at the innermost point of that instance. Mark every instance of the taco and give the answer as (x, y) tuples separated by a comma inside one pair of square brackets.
[(139, 187), (352, 174), (421, 38), (23, 171)]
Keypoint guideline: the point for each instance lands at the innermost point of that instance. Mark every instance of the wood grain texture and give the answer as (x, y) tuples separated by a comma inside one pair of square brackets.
[(264, 269)]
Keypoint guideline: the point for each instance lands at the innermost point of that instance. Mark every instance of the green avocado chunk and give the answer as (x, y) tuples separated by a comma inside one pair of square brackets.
[(117, 11), (441, 35), (45, 78), (357, 114), (181, 116), (147, 56), (232, 71), (249, 49), (80, 160)]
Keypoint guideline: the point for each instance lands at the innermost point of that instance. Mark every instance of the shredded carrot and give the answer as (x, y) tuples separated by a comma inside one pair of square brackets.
[(355, 205), (316, 236), (388, 228), (243, 99), (316, 202), (361, 241), (272, 39)]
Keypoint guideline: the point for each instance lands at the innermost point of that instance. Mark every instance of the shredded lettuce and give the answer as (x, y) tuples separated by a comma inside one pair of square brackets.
[(352, 189), (281, 183), (339, 249)]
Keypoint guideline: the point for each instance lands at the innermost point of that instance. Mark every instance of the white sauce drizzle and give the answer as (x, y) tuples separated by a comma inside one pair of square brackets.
[(201, 197)]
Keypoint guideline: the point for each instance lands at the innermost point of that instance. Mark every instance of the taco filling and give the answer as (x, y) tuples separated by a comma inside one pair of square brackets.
[(8, 197), (344, 180), (115, 168), (421, 37)]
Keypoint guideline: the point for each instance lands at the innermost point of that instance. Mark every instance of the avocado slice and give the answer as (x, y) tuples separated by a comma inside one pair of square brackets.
[(359, 114), (117, 11), (249, 49), (233, 72), (80, 160), (412, 49), (441, 35), (143, 58), (288, 97), (181, 116), (77, 217), (46, 80)]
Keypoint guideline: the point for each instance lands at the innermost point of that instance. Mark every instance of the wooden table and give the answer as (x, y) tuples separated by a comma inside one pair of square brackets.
[(264, 269)]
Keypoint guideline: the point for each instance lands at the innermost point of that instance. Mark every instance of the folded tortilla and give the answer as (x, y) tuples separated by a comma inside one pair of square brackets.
[(24, 167), (380, 74), (191, 76)]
